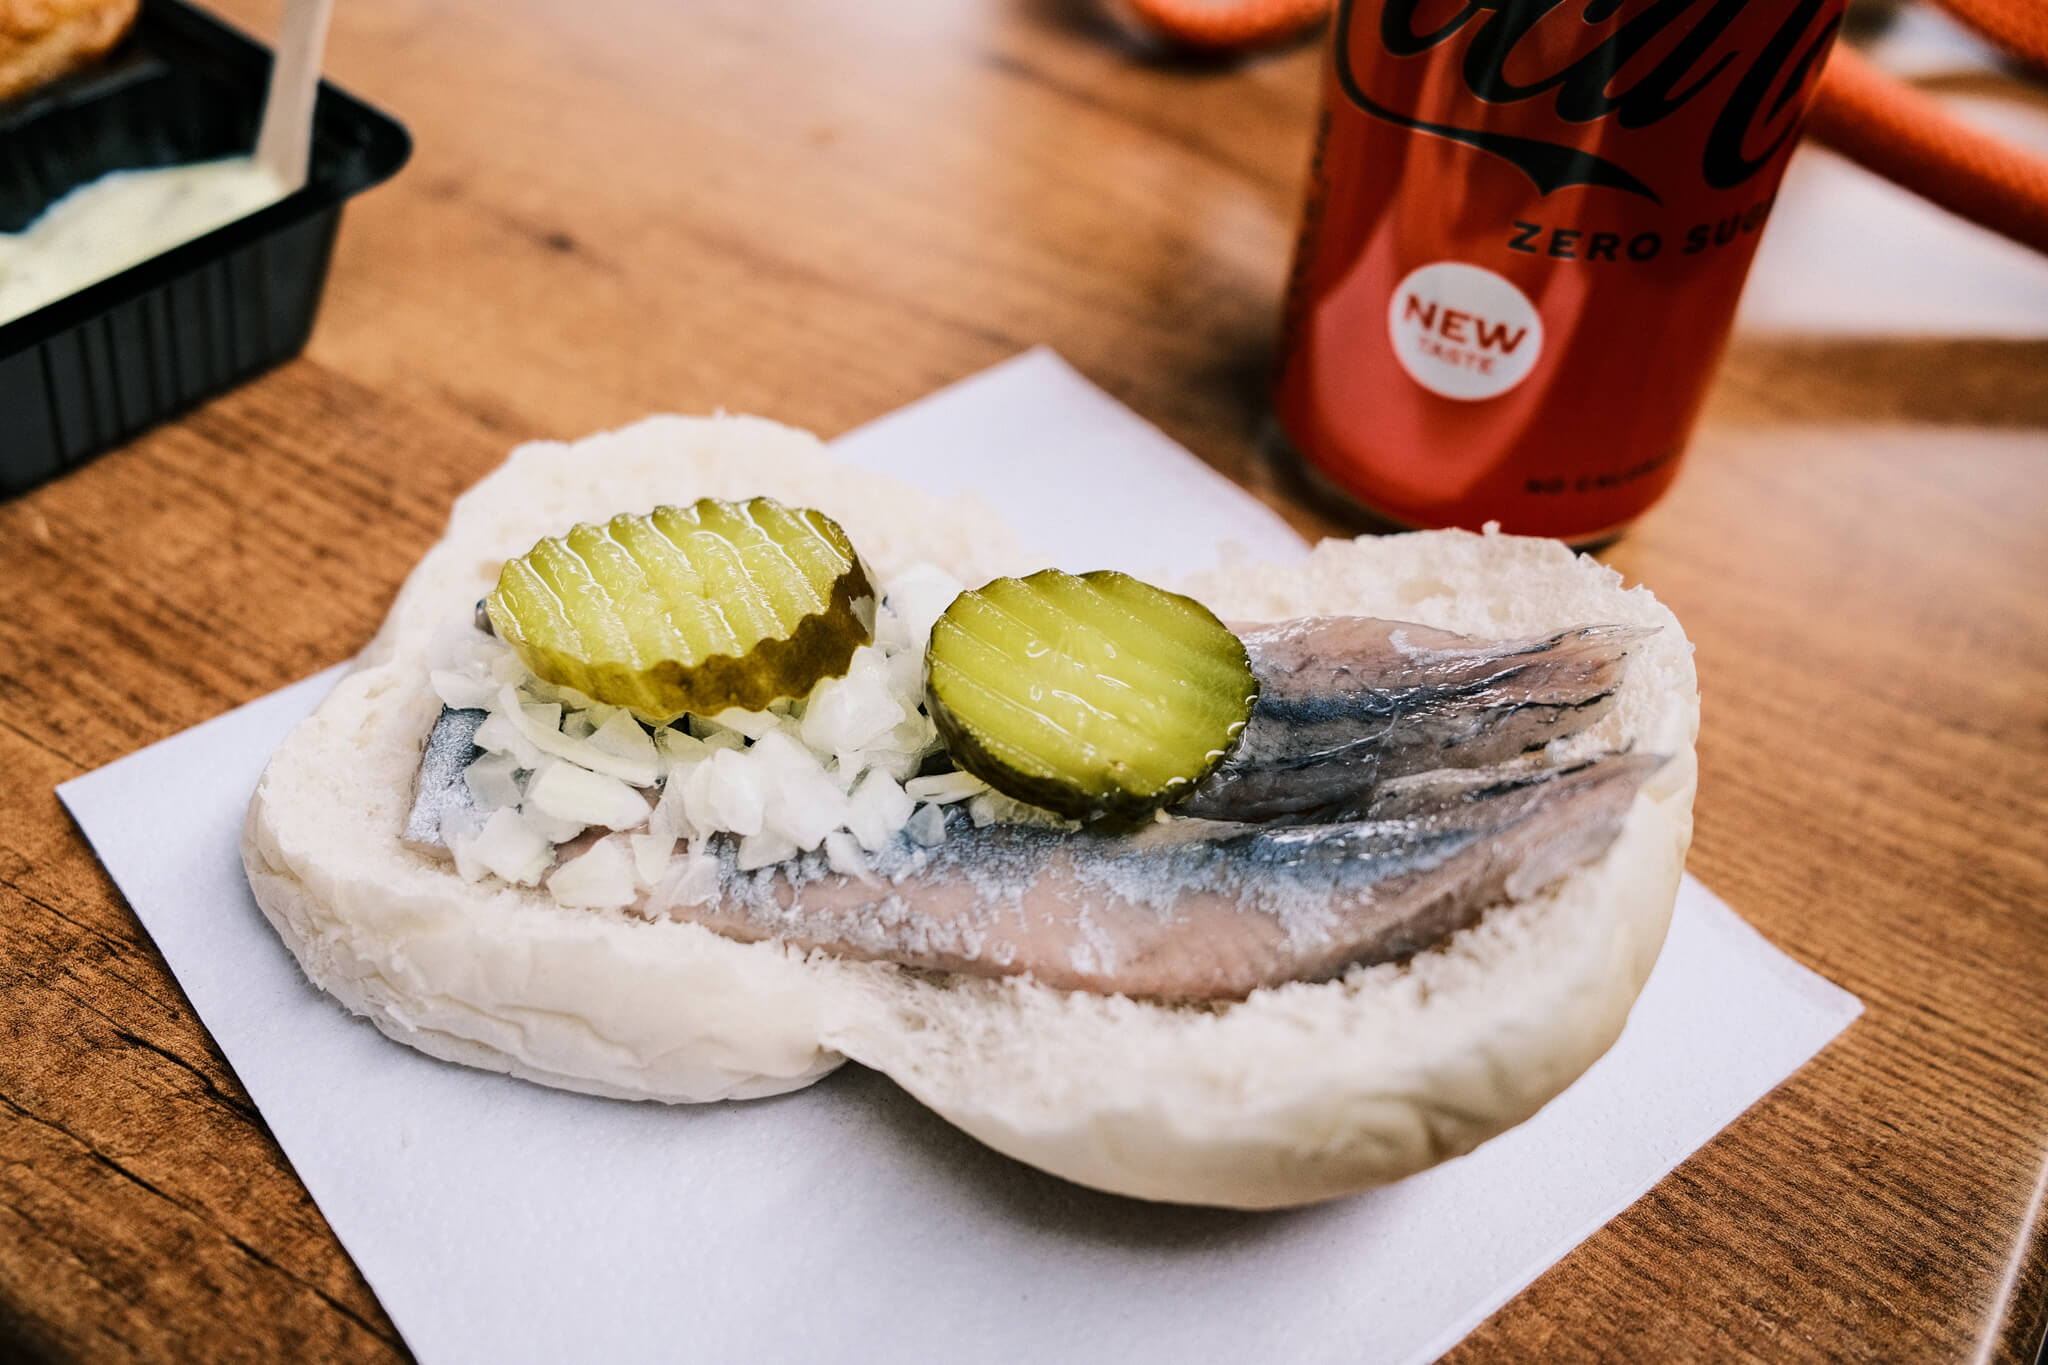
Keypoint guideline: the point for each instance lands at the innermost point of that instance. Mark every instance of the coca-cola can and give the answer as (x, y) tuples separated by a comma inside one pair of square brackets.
[(1527, 228)]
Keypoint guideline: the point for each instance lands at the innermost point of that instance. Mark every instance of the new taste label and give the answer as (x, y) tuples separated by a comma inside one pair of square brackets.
[(1463, 331)]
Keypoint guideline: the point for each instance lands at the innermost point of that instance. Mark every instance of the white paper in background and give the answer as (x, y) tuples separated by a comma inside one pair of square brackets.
[(500, 1221), (1082, 478), (1921, 41)]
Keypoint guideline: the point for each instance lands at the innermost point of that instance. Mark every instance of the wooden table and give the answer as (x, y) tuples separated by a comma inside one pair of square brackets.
[(822, 211)]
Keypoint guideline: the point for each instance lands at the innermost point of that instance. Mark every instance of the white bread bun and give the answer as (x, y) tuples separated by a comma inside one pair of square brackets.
[(1297, 1094)]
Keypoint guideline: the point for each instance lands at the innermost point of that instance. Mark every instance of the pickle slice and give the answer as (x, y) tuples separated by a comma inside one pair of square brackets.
[(1099, 697), (698, 608)]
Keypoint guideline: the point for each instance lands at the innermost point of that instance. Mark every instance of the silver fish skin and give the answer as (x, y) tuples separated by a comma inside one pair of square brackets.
[(1189, 909), (1346, 703), (439, 786)]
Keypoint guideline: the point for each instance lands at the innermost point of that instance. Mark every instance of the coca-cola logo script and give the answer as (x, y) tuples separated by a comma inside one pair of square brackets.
[(1686, 50)]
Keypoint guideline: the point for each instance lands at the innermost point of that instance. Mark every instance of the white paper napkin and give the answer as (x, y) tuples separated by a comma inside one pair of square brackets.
[(500, 1221)]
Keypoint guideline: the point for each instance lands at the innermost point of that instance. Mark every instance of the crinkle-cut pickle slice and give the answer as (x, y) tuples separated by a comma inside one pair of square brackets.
[(698, 608), (1099, 697)]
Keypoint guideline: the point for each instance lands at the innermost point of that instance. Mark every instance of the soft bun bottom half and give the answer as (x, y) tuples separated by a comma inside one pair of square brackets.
[(1298, 1094), (1313, 1091)]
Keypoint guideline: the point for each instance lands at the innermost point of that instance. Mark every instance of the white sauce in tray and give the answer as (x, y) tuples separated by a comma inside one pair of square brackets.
[(123, 218)]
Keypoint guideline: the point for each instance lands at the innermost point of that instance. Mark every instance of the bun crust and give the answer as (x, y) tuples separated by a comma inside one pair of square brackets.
[(1297, 1094)]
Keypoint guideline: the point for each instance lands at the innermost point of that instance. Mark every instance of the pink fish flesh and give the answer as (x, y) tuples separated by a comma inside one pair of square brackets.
[(1190, 909)]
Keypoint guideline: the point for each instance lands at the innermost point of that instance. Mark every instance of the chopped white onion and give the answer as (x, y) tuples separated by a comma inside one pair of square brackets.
[(651, 853), (600, 714), (918, 597), (492, 781), (779, 754), (927, 826), (764, 849), (751, 724), (568, 792), (553, 829), (854, 711), (836, 770), (697, 808), (601, 877), (807, 807), (843, 855), (942, 788), (540, 725), (670, 820), (916, 735), (734, 793), (506, 849), (499, 735), (682, 747), (898, 763), (691, 880), (906, 675), (876, 810), (714, 735), (621, 736), (465, 691), (459, 826)]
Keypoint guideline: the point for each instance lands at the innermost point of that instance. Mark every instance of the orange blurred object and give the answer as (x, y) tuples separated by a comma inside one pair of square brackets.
[(1222, 25), (1907, 137)]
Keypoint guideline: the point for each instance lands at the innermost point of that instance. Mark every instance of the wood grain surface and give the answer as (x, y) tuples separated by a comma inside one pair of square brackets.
[(820, 212)]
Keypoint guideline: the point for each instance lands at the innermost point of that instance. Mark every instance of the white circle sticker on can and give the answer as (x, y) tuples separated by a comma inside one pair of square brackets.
[(1462, 331)]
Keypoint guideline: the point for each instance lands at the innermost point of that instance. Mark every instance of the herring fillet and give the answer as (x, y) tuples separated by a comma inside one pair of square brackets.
[(1345, 703), (1348, 702), (1360, 819), (1192, 910)]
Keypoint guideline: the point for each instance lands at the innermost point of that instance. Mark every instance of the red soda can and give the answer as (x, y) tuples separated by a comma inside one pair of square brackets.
[(1527, 229)]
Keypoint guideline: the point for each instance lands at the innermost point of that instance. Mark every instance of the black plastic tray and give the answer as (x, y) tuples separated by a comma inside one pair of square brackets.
[(95, 367)]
